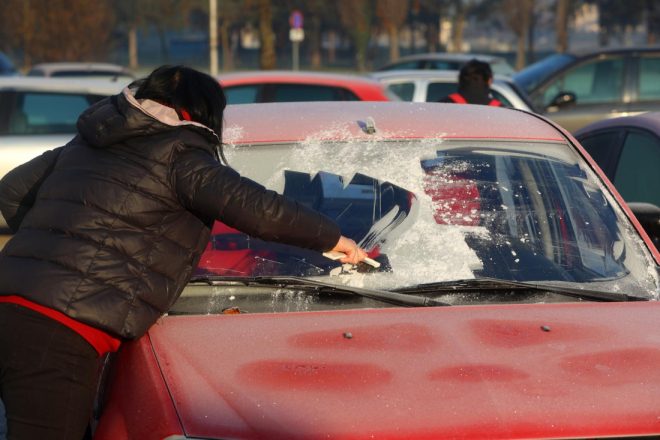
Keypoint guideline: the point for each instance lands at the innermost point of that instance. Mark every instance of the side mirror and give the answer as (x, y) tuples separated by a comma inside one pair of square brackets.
[(648, 216), (563, 101)]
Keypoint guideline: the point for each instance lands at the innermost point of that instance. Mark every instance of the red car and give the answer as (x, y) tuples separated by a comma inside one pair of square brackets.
[(256, 87), (516, 296)]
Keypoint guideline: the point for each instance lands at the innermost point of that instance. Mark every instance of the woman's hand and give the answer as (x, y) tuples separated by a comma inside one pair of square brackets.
[(353, 253)]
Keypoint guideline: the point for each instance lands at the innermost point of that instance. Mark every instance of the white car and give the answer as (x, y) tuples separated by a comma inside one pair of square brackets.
[(83, 71), (432, 86), (39, 114)]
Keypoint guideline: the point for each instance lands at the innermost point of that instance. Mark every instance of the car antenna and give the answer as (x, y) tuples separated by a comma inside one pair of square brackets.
[(371, 126)]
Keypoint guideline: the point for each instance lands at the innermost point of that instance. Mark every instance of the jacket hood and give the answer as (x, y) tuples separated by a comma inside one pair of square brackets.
[(121, 117)]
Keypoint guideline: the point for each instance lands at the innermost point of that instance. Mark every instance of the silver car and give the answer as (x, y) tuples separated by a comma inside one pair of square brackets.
[(448, 61), (92, 71), (39, 114), (432, 86)]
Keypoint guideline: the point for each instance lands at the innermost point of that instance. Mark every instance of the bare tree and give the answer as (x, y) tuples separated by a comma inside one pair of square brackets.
[(37, 27), (393, 14), (562, 25), (432, 10), (268, 58), (652, 21), (357, 16), (519, 15)]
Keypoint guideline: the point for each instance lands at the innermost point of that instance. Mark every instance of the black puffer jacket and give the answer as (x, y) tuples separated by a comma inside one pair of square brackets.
[(111, 226)]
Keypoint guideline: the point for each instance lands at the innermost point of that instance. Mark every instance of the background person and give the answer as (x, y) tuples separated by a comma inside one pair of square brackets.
[(108, 231), (474, 82)]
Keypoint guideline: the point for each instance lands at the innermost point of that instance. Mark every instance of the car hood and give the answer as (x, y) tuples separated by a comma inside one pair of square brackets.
[(459, 372)]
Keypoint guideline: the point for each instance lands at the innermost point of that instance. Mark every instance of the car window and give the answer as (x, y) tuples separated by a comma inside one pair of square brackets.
[(649, 79), (305, 93), (596, 82), (500, 97), (405, 91), (637, 178), (46, 113), (442, 65), (438, 90), (502, 68), (600, 147), (532, 76), (242, 94), (350, 96), (405, 66)]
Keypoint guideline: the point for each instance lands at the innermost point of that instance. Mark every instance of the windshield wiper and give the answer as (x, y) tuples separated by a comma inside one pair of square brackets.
[(485, 284), (399, 299)]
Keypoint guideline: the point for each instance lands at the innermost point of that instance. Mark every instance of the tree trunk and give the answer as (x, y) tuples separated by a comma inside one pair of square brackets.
[(315, 41), (530, 33), (520, 57), (562, 26), (332, 41), (132, 47), (227, 59), (457, 31), (394, 43), (433, 38), (268, 58)]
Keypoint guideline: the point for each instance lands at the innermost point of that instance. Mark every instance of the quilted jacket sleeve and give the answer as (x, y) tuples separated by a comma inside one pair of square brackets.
[(206, 186), (19, 187)]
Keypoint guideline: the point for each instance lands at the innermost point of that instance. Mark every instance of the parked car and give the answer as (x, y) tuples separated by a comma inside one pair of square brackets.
[(254, 87), (96, 71), (448, 61), (431, 86), (38, 114), (6, 66), (577, 89), (628, 152), (496, 220)]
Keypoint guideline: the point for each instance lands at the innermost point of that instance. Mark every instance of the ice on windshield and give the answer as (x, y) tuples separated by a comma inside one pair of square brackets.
[(436, 210)]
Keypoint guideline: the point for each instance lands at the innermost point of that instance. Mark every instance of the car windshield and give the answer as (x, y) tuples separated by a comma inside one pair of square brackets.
[(535, 74), (438, 210), (502, 68)]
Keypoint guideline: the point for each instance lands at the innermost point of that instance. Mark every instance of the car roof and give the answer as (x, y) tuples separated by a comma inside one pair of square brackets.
[(613, 50), (61, 85), (289, 76), (426, 74), (290, 122), (49, 68), (459, 57), (648, 121)]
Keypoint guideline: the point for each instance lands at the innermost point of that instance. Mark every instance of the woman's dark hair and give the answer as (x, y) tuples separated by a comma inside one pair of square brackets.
[(475, 71), (184, 88)]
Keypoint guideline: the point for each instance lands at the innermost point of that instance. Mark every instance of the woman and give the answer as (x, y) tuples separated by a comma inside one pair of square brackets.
[(108, 230)]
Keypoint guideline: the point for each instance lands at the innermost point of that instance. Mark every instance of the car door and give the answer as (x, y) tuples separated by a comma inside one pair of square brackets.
[(637, 179), (636, 175), (646, 88), (599, 85), (604, 147)]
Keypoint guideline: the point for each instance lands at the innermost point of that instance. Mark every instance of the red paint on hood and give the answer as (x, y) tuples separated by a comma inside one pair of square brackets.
[(459, 372)]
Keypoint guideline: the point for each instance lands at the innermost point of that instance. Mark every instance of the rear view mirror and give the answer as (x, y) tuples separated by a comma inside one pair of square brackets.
[(649, 217), (563, 101)]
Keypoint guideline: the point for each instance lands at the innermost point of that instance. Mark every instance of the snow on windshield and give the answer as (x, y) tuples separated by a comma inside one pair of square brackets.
[(437, 210)]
